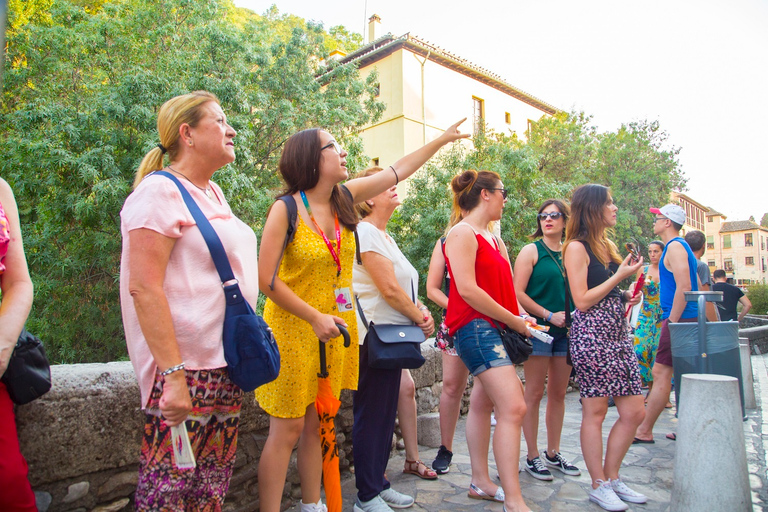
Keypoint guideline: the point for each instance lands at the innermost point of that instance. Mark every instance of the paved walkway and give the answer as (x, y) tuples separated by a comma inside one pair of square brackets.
[(647, 468)]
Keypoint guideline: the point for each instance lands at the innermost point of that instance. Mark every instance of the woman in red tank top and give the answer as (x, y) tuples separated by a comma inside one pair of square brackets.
[(483, 298)]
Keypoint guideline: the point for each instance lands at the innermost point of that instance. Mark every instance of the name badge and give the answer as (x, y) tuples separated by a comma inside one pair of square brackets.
[(343, 300)]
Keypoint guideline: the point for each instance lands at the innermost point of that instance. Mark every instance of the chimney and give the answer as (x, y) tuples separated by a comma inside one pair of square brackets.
[(374, 26)]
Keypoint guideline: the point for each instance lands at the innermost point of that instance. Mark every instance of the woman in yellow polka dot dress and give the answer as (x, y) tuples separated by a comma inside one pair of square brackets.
[(311, 294)]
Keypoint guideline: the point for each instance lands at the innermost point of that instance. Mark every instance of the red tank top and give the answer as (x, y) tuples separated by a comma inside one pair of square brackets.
[(493, 275)]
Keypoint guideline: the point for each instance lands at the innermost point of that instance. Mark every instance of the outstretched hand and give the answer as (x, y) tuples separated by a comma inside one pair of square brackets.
[(629, 267), (453, 133)]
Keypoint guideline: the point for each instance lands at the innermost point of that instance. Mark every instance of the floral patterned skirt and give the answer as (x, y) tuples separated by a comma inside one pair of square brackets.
[(602, 352), (212, 427)]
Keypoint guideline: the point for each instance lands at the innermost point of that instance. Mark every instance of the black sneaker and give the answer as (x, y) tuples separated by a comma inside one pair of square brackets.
[(537, 469), (442, 463), (561, 464)]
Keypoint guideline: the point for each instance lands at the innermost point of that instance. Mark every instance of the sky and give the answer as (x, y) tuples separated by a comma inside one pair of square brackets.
[(699, 67)]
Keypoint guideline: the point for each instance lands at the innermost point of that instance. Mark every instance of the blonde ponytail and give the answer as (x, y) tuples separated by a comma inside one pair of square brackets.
[(184, 109)]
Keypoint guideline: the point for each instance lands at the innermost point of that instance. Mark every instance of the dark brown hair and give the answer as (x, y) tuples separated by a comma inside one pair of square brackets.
[(299, 165), (586, 223), (468, 185), (561, 207), (696, 239)]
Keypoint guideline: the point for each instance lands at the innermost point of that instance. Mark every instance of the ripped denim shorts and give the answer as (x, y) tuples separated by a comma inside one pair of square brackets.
[(479, 346)]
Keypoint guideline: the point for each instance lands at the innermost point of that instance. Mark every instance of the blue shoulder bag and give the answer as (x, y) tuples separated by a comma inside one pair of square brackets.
[(250, 349)]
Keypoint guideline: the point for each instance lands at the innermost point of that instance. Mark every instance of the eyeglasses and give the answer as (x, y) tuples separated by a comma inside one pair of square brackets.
[(335, 145), (551, 215), (656, 219), (503, 192)]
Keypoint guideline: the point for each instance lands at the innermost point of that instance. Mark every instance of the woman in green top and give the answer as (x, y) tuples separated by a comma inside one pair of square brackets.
[(540, 287)]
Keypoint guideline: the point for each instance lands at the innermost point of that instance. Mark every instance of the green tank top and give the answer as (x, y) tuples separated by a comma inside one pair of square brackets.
[(546, 285)]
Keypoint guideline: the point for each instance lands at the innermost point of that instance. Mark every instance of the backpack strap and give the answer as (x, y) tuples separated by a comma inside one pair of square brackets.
[(293, 217)]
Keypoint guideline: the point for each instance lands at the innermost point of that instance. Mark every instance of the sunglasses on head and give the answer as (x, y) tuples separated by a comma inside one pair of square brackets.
[(551, 215)]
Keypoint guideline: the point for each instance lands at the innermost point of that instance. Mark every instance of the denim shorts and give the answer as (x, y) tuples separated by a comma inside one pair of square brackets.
[(479, 346), (558, 347)]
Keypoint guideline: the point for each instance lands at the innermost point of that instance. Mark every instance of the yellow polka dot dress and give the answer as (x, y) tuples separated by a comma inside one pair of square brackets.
[(309, 270)]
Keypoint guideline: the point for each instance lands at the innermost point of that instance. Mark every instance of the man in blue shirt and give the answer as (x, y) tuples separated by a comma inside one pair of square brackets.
[(677, 275)]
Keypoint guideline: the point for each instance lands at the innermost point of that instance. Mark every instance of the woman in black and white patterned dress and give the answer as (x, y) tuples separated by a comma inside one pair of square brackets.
[(601, 349)]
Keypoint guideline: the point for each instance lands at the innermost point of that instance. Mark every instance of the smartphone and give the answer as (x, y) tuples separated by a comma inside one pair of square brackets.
[(634, 251)]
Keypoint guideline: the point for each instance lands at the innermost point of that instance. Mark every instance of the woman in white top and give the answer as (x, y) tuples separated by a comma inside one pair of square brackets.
[(386, 285)]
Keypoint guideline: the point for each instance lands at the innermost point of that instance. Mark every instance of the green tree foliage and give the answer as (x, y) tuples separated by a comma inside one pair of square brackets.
[(764, 220), (560, 153), (82, 90), (758, 296), (636, 161)]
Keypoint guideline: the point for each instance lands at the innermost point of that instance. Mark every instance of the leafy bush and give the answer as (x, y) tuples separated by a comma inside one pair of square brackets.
[(758, 296)]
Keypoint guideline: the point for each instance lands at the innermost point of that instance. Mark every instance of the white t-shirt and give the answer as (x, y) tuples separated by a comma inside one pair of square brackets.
[(374, 306)]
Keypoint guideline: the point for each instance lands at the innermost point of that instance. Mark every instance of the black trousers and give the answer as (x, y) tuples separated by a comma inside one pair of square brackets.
[(375, 409)]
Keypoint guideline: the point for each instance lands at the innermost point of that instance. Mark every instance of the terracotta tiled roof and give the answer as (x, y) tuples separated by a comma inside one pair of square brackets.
[(388, 43), (712, 213), (741, 225)]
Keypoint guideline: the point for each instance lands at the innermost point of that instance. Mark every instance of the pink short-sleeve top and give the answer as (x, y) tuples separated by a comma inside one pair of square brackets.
[(192, 285), (5, 237)]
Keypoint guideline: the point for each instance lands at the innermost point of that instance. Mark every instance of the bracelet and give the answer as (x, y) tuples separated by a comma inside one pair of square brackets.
[(172, 369), (549, 318), (397, 178)]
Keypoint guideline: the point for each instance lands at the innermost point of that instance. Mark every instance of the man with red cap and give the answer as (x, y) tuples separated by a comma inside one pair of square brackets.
[(677, 275)]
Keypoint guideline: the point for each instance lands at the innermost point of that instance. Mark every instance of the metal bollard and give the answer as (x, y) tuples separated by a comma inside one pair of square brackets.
[(711, 472), (748, 381)]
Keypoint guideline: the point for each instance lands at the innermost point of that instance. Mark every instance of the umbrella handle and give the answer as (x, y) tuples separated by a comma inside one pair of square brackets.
[(323, 361), (323, 364), (345, 333)]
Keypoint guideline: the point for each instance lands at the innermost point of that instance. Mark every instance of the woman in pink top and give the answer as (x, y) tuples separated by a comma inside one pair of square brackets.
[(173, 306), (483, 298), (15, 492)]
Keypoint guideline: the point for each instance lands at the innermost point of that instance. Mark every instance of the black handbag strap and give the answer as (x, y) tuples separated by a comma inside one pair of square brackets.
[(212, 240), (357, 300), (568, 320)]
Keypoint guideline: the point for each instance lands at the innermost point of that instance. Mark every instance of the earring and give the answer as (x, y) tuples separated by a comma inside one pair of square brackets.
[(190, 143)]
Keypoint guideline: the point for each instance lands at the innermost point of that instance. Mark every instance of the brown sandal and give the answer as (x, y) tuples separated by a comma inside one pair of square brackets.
[(418, 468)]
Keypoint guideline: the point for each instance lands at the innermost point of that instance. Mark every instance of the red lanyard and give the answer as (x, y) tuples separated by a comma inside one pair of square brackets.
[(334, 253)]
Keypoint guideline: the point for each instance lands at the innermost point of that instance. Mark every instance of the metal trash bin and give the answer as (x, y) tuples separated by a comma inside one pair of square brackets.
[(705, 347)]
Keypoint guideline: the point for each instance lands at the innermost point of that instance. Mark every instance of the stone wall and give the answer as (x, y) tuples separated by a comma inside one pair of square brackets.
[(755, 329), (82, 439)]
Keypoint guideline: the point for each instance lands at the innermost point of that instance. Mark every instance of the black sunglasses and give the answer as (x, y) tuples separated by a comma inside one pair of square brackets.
[(551, 215), (333, 144), (503, 192)]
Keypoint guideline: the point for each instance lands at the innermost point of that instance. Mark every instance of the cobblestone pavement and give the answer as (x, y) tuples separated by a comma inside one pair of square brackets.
[(647, 468)]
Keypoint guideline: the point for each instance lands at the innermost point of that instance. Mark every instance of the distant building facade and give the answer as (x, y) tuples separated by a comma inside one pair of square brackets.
[(695, 213), (426, 89), (738, 247)]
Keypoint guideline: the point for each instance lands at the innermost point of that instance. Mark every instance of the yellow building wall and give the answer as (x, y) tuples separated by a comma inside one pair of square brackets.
[(404, 126)]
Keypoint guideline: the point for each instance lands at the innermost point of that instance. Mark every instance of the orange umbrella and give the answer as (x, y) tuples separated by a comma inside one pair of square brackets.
[(327, 406)]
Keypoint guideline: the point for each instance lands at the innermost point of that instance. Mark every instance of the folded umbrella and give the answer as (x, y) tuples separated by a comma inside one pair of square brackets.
[(327, 405)]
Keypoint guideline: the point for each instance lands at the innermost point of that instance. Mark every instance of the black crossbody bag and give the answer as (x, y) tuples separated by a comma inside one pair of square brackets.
[(391, 346)]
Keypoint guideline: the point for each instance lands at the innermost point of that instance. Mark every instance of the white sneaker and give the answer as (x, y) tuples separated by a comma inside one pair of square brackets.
[(314, 507), (606, 498), (375, 505), (396, 499), (625, 493)]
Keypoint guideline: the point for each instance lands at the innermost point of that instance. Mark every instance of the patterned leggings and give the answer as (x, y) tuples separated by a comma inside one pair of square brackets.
[(212, 427)]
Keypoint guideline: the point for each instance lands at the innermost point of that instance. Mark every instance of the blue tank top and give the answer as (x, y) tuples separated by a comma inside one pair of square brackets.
[(668, 286)]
